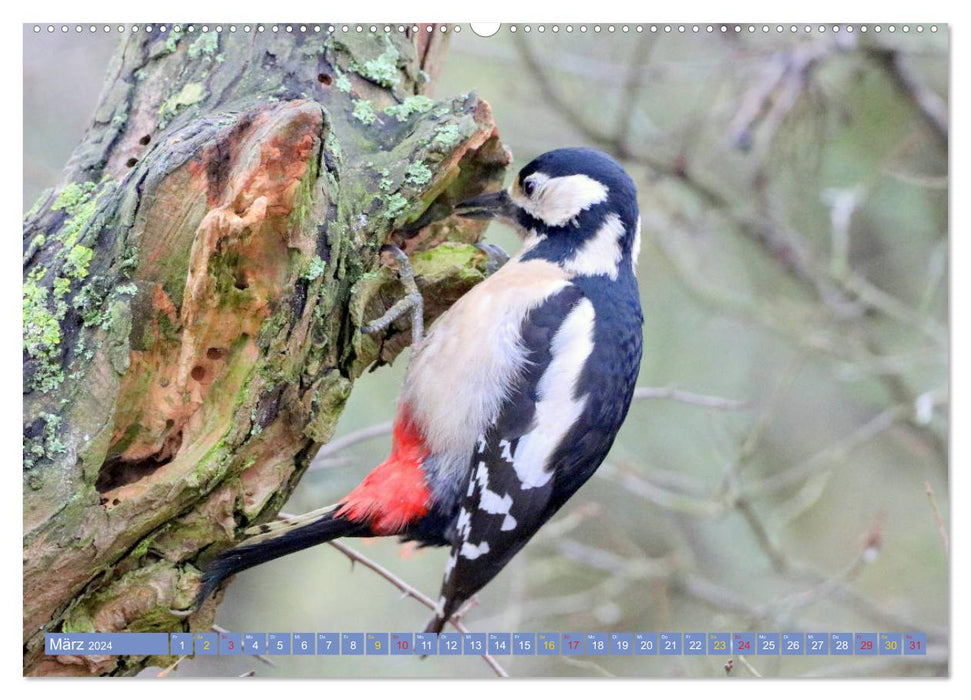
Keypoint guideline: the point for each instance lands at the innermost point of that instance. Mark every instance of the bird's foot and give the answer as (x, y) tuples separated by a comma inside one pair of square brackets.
[(395, 258), (496, 256)]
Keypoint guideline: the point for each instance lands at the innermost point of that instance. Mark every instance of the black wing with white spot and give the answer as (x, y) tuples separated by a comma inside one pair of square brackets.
[(511, 485)]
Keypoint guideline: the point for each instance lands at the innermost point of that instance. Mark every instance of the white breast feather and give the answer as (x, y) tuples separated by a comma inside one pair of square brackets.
[(464, 369), (558, 408)]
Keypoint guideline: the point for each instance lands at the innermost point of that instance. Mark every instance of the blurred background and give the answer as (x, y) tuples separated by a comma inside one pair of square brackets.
[(785, 466)]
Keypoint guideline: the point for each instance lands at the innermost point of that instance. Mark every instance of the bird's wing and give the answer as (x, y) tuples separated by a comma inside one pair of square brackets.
[(512, 474)]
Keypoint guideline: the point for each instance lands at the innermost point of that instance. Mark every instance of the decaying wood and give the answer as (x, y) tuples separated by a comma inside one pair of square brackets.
[(193, 294)]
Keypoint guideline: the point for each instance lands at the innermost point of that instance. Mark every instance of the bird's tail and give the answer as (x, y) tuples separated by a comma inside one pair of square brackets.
[(277, 539)]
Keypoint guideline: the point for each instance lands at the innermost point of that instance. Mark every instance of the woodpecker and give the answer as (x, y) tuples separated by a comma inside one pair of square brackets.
[(513, 399)]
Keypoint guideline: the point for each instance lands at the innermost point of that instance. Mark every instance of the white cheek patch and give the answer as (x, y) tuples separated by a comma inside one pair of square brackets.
[(557, 409), (601, 255), (635, 250), (559, 200)]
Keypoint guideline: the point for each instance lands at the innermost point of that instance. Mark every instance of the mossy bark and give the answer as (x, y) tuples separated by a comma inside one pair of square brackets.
[(193, 294)]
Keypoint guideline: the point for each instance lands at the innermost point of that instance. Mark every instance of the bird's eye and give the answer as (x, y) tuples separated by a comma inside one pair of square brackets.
[(529, 187)]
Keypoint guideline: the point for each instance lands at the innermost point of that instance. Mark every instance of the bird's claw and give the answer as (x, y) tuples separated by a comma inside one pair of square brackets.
[(496, 257), (393, 257)]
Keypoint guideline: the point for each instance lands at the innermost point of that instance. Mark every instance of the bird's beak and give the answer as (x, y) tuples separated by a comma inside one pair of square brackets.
[(495, 205)]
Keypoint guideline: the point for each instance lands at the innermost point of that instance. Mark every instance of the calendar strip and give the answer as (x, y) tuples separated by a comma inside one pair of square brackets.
[(495, 643)]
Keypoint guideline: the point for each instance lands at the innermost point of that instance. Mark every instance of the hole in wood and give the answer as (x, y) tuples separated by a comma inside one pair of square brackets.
[(132, 162), (325, 79), (215, 353), (198, 373), (145, 140), (116, 472)]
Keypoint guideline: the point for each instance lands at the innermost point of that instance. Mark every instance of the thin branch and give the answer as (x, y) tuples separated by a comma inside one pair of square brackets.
[(406, 589), (937, 517), (164, 673), (335, 447), (931, 106), (839, 450), (750, 667), (260, 657), (672, 394)]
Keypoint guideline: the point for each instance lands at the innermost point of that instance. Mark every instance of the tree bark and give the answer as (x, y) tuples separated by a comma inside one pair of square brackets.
[(193, 294)]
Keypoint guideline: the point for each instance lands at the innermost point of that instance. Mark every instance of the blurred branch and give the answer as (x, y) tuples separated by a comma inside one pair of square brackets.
[(406, 589), (937, 517), (837, 451), (749, 666), (936, 659), (335, 447), (633, 84), (765, 105), (669, 393), (930, 106)]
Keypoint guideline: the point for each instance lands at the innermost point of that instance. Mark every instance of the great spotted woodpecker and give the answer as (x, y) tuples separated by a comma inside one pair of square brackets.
[(515, 396)]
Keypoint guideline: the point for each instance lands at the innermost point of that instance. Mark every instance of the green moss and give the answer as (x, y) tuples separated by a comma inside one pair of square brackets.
[(81, 202), (42, 335), (395, 205), (61, 287), (172, 43), (382, 70), (446, 136), (328, 404), (343, 83), (78, 259), (73, 196), (206, 45), (364, 112), (314, 269), (190, 94), (88, 303), (334, 145), (418, 174), (415, 104)]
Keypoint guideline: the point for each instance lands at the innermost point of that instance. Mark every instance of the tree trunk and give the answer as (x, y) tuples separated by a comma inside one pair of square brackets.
[(193, 295)]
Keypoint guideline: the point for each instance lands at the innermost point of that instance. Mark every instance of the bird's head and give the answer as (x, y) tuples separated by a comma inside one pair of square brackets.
[(573, 206)]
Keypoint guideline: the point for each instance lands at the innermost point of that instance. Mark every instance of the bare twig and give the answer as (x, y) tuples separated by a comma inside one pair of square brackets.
[(406, 589), (669, 393), (259, 657), (750, 667), (931, 107), (937, 517), (335, 447), (164, 673)]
